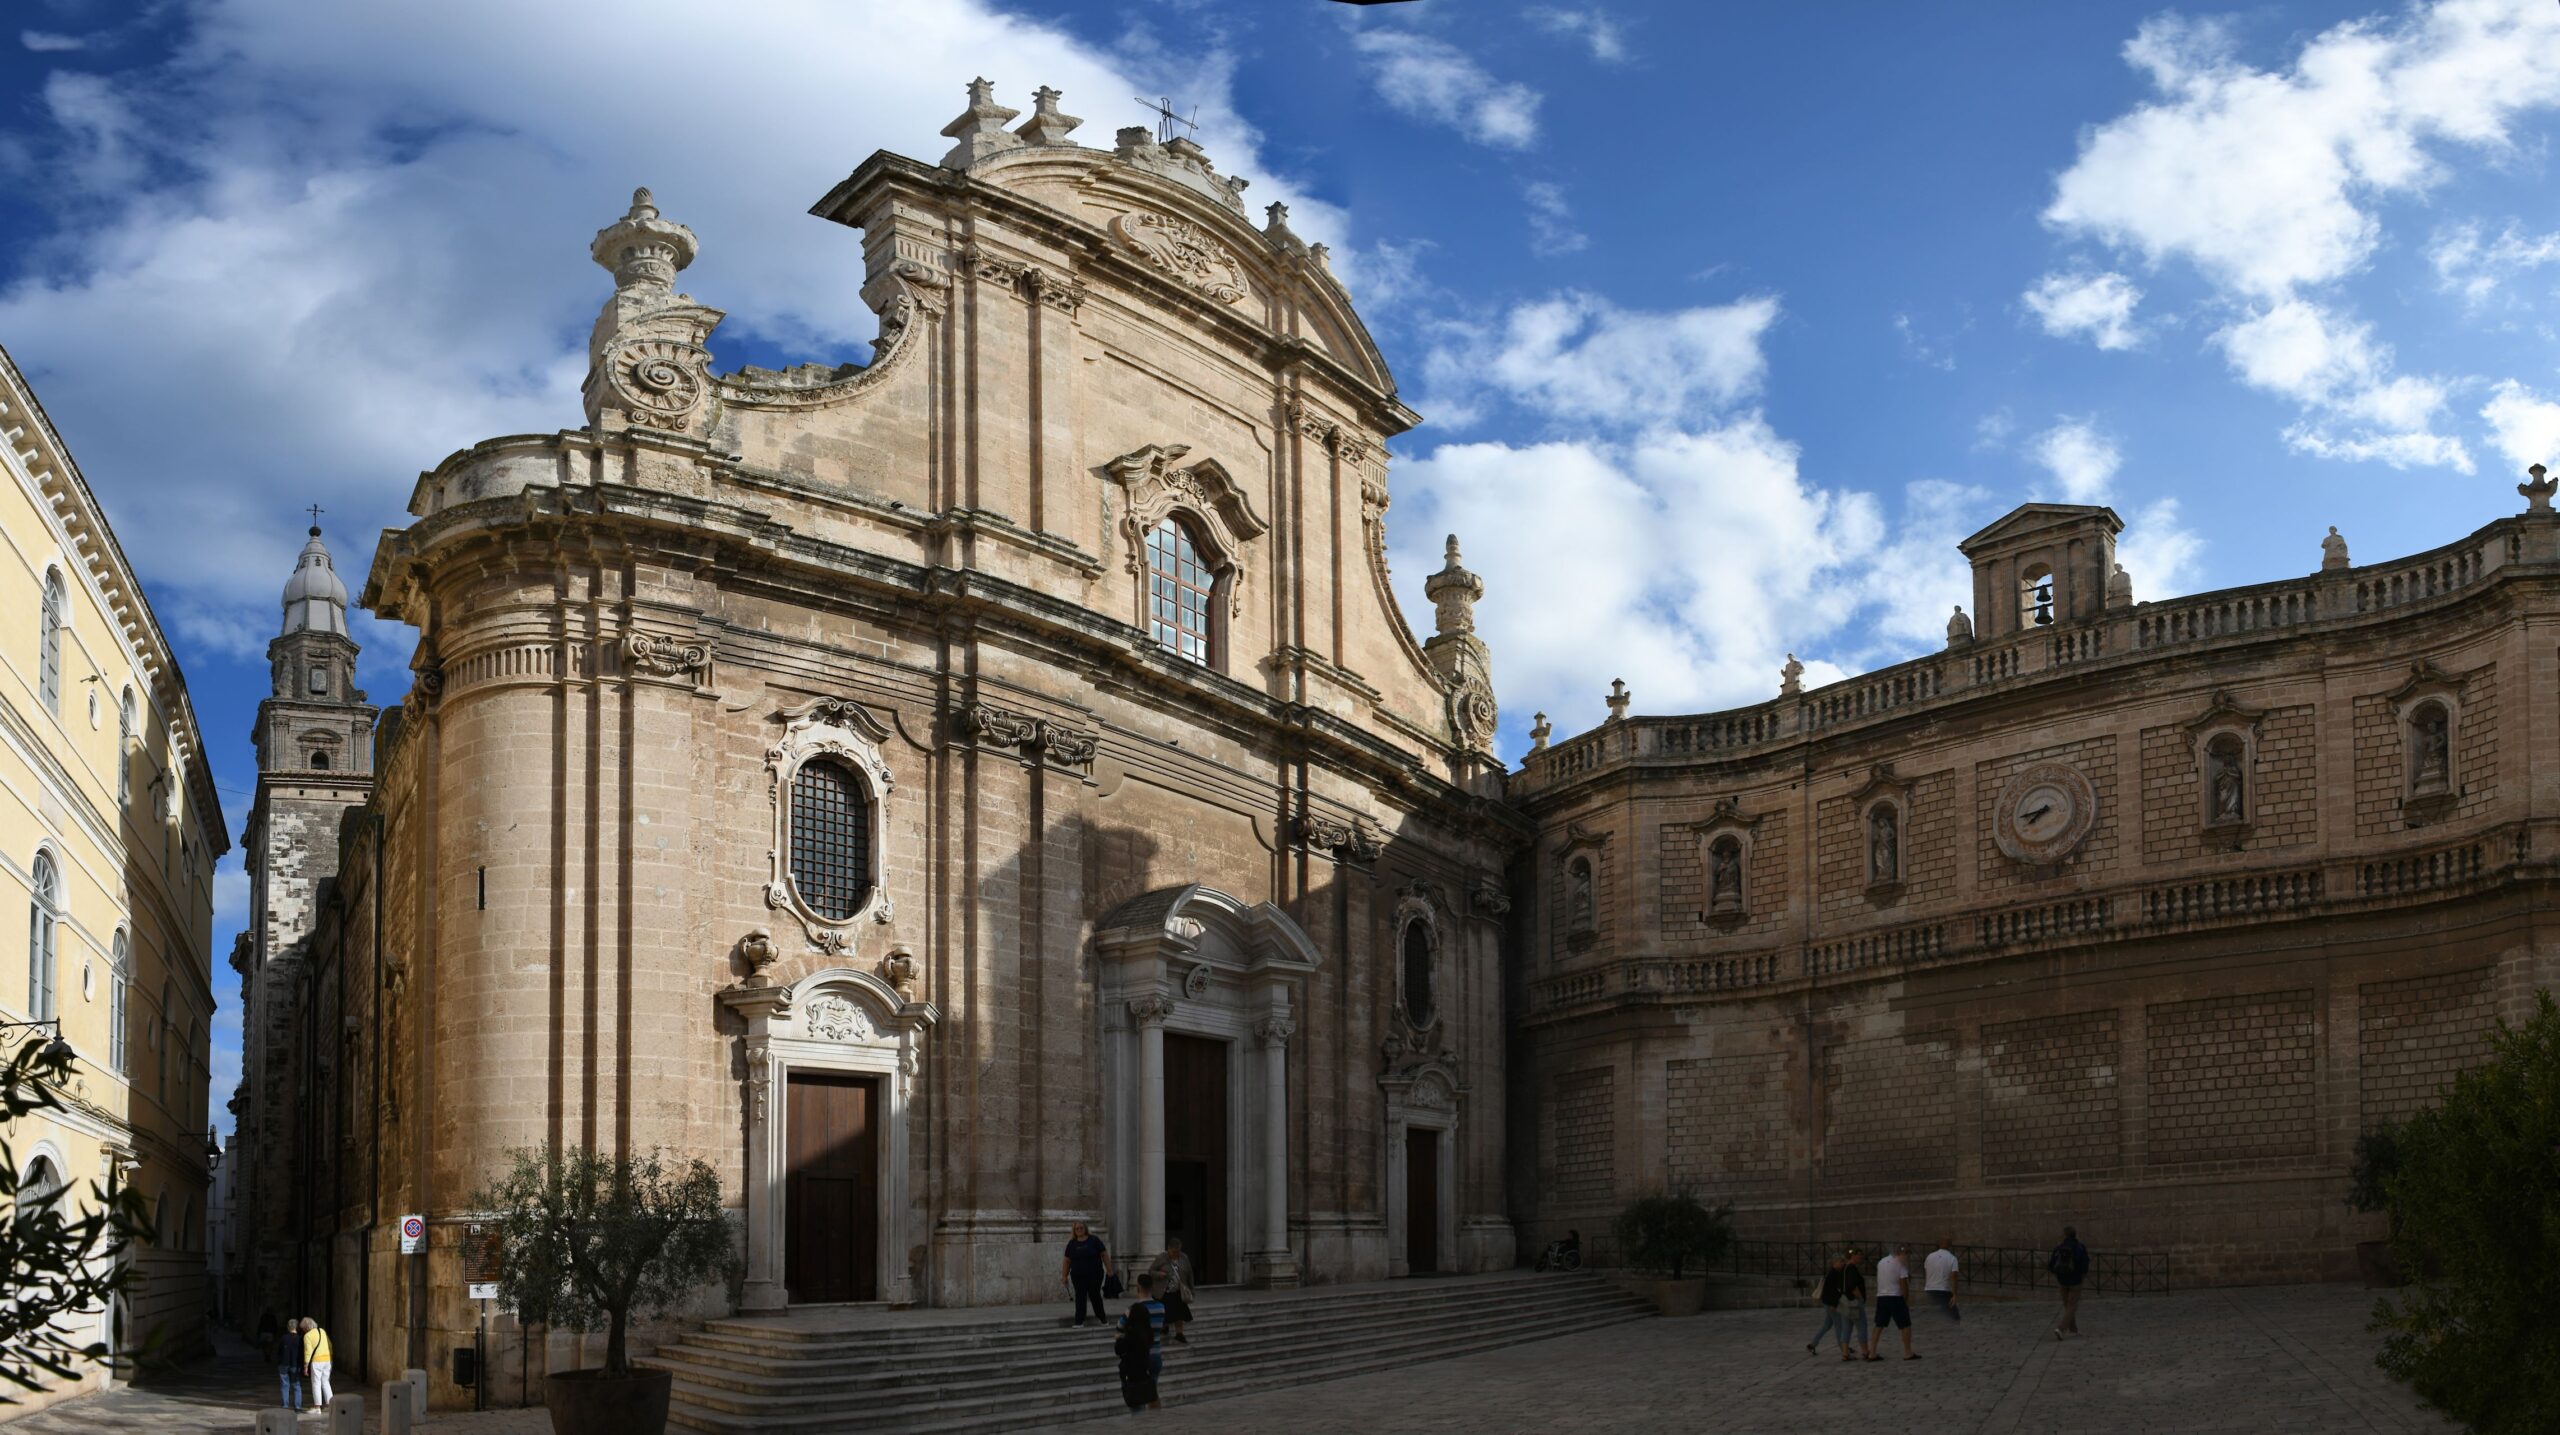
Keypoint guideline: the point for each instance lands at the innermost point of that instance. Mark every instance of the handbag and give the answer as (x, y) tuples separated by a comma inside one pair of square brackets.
[(1111, 1287)]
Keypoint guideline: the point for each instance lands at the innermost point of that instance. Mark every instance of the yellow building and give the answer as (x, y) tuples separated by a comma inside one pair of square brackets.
[(109, 829)]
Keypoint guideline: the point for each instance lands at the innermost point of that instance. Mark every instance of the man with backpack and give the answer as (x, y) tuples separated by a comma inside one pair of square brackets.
[(2069, 1265)]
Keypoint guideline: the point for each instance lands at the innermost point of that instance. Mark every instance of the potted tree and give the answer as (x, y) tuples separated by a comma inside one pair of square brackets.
[(1673, 1234), (585, 1240)]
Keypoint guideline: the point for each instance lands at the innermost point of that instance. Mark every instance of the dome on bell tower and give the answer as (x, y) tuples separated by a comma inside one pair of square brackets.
[(315, 598)]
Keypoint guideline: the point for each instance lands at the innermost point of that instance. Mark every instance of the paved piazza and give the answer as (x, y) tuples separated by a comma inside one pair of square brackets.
[(2253, 1359)]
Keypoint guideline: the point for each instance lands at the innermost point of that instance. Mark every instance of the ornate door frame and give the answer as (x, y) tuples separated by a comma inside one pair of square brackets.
[(838, 1020), (1422, 1099)]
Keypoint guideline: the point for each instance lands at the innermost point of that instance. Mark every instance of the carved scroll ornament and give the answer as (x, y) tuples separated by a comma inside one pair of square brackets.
[(1182, 251)]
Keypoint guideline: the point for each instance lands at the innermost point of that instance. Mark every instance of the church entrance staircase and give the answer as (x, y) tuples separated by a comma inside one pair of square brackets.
[(945, 1372)]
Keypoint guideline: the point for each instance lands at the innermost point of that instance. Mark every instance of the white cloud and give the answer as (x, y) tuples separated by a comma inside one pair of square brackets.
[(45, 42), (2269, 181), (2526, 425), (1721, 556), (2263, 178), (2082, 459), (2473, 268), (1551, 229), (1592, 27), (1580, 359), (2159, 552), (2355, 408), (2099, 306), (355, 236), (1433, 80)]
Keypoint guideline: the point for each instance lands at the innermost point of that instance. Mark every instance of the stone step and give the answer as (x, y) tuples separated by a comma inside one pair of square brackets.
[(1007, 1374), (1232, 1373), (956, 1342), (996, 1370)]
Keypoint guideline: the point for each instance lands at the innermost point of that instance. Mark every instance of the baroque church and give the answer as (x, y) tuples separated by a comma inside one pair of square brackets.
[(993, 787)]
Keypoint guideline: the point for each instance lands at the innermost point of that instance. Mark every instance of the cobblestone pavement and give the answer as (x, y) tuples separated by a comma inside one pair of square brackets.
[(222, 1396), (2285, 1358)]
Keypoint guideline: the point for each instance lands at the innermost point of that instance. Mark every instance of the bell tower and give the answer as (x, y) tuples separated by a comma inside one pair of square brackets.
[(2043, 565), (315, 753)]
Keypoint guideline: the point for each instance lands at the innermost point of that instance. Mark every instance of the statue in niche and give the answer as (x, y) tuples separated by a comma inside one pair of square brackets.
[(1578, 900), (2230, 791), (2431, 765), (1884, 840), (1724, 876)]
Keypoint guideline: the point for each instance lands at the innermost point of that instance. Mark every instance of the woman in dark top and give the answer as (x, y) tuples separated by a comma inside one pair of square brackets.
[(1853, 1307), (1086, 1266)]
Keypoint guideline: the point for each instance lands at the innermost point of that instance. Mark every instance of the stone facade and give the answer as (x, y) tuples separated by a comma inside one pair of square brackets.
[(1158, 915), (2180, 898)]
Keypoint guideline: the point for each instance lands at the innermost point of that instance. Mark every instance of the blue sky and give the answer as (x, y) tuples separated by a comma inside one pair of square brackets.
[(1727, 321)]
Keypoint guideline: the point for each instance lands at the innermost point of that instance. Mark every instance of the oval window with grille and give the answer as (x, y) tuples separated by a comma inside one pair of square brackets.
[(830, 839)]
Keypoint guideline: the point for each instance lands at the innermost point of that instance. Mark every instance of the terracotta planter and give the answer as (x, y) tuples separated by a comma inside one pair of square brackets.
[(590, 1402), (1686, 1296)]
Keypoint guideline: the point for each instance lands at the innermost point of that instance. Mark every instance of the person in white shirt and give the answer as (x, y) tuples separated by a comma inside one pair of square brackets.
[(1893, 1303), (1942, 1269)]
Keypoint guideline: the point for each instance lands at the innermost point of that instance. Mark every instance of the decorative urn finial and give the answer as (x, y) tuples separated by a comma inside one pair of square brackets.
[(1453, 592), (1618, 699), (643, 250), (1539, 731), (2537, 494)]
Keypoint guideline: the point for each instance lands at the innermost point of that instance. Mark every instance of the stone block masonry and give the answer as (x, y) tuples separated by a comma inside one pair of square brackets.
[(2414, 1034)]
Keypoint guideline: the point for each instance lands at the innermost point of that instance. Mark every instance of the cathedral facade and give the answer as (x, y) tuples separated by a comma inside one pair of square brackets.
[(992, 787), (962, 794), (2130, 916)]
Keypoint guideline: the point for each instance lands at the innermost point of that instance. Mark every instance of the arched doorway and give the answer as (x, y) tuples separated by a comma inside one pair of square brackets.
[(1196, 1023)]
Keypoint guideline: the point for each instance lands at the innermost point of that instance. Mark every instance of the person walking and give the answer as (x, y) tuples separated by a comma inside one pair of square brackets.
[(1086, 1265), (1830, 1296), (1853, 1307), (284, 1349), (1172, 1271), (2069, 1266), (316, 1363), (1140, 1348), (1893, 1301), (1942, 1267)]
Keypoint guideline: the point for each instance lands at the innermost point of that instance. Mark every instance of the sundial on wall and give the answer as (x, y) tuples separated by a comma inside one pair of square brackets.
[(2044, 811)]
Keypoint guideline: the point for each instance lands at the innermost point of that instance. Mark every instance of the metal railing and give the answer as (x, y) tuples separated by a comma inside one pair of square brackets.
[(2001, 1267)]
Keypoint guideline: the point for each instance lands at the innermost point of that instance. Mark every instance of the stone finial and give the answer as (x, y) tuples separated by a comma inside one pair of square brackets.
[(1453, 592), (1618, 699), (2537, 494), (980, 128), (2119, 588), (1133, 139), (1539, 730), (643, 250), (1959, 629), (1047, 125), (1791, 678), (2333, 551)]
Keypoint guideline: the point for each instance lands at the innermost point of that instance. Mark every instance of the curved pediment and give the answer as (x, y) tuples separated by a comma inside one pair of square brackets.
[(1195, 920)]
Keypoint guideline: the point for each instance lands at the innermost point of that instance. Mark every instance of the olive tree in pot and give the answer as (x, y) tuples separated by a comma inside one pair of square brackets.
[(586, 1239), (1674, 1234)]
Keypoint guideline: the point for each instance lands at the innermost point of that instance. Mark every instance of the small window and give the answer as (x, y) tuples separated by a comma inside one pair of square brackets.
[(2430, 749), (57, 604), (319, 761), (119, 981), (1418, 1006), (1181, 591), (43, 923), (2035, 598), (126, 719), (320, 678), (830, 839)]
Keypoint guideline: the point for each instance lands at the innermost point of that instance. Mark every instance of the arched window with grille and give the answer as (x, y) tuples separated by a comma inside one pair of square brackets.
[(830, 838), (1420, 1004), (44, 907), (57, 605), (1182, 591), (119, 983)]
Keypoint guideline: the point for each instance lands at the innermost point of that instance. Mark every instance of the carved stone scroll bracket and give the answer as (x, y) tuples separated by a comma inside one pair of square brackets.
[(1346, 842), (1039, 739), (664, 657)]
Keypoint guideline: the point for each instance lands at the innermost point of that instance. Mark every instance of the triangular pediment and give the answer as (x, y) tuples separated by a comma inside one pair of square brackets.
[(2029, 519)]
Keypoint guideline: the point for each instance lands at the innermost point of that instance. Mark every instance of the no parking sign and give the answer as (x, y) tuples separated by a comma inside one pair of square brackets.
[(413, 1235)]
